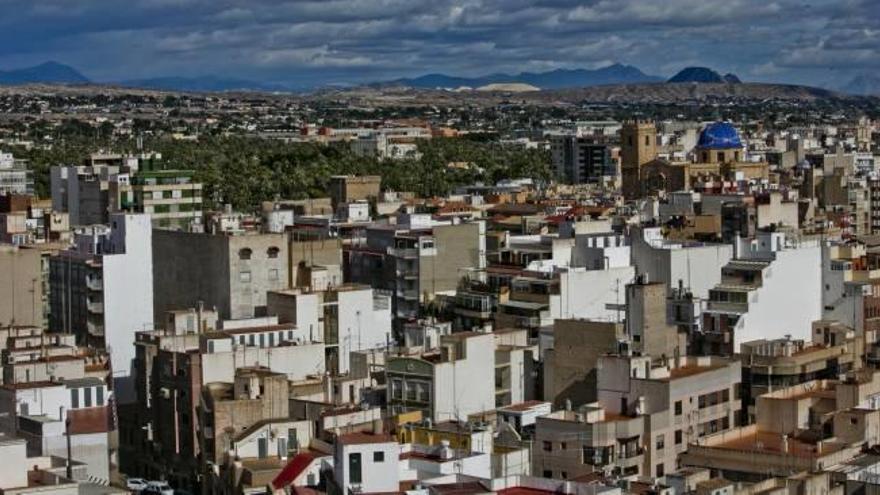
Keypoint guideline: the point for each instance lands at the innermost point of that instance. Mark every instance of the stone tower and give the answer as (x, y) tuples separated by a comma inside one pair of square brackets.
[(638, 146)]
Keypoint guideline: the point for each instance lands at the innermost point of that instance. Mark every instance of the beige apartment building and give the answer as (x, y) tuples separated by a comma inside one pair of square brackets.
[(808, 427), (645, 416)]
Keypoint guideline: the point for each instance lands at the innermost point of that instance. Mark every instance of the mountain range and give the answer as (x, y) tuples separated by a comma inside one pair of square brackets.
[(616, 74), (554, 79)]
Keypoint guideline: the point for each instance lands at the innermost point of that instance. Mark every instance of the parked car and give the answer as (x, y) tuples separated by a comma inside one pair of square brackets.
[(158, 488), (136, 484)]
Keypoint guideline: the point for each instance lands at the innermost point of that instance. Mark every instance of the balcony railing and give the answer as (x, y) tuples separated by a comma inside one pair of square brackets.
[(406, 253)]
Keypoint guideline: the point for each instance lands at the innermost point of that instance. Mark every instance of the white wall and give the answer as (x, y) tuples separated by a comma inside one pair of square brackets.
[(128, 294), (376, 476), (789, 300), (466, 386), (698, 266), (93, 449), (296, 361), (360, 326), (14, 468), (584, 293)]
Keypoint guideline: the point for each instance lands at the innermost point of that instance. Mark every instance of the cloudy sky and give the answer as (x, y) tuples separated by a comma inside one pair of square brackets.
[(817, 42)]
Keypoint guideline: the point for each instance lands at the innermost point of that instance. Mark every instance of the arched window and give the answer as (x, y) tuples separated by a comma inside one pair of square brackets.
[(272, 252), (245, 253)]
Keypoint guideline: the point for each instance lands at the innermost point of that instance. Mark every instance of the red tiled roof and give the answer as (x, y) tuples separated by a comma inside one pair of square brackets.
[(293, 470)]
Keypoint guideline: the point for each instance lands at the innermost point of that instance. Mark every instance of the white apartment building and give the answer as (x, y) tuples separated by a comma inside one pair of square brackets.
[(694, 265), (772, 289), (348, 318), (104, 289), (15, 177)]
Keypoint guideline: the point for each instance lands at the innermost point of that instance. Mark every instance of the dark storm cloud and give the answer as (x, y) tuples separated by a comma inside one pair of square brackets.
[(357, 40)]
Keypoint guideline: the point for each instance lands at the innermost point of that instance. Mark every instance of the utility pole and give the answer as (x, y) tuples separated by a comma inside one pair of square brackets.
[(69, 470)]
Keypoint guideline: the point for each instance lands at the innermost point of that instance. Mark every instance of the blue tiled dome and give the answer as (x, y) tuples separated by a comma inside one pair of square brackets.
[(719, 136)]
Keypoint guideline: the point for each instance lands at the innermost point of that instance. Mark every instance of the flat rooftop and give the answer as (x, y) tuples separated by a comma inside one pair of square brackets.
[(769, 442)]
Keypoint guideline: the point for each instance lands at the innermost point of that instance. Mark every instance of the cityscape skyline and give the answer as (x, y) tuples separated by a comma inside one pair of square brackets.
[(306, 44)]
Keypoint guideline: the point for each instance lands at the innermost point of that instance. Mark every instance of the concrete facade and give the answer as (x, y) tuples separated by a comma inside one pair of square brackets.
[(231, 273)]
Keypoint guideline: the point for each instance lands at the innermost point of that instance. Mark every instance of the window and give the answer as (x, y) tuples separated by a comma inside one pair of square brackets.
[(378, 456), (563, 445), (678, 437), (547, 473), (564, 475), (678, 408), (548, 446), (660, 471), (244, 277), (273, 274), (99, 396), (74, 398), (272, 252), (245, 253), (354, 468), (88, 396), (660, 442)]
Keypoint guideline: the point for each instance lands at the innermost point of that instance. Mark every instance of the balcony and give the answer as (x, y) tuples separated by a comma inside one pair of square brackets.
[(407, 272), (405, 253), (94, 284), (411, 294), (96, 307)]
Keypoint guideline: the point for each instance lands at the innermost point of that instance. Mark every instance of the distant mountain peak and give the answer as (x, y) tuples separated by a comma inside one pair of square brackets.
[(50, 72), (702, 75)]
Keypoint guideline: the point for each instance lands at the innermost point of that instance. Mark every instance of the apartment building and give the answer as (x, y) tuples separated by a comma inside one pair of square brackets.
[(579, 159), (348, 318), (230, 409), (455, 383), (415, 259), (770, 365), (53, 393), (15, 176), (109, 183), (350, 188), (102, 291), (171, 197), (176, 363), (696, 397), (769, 275), (692, 265), (569, 444), (231, 272), (569, 371), (807, 427)]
